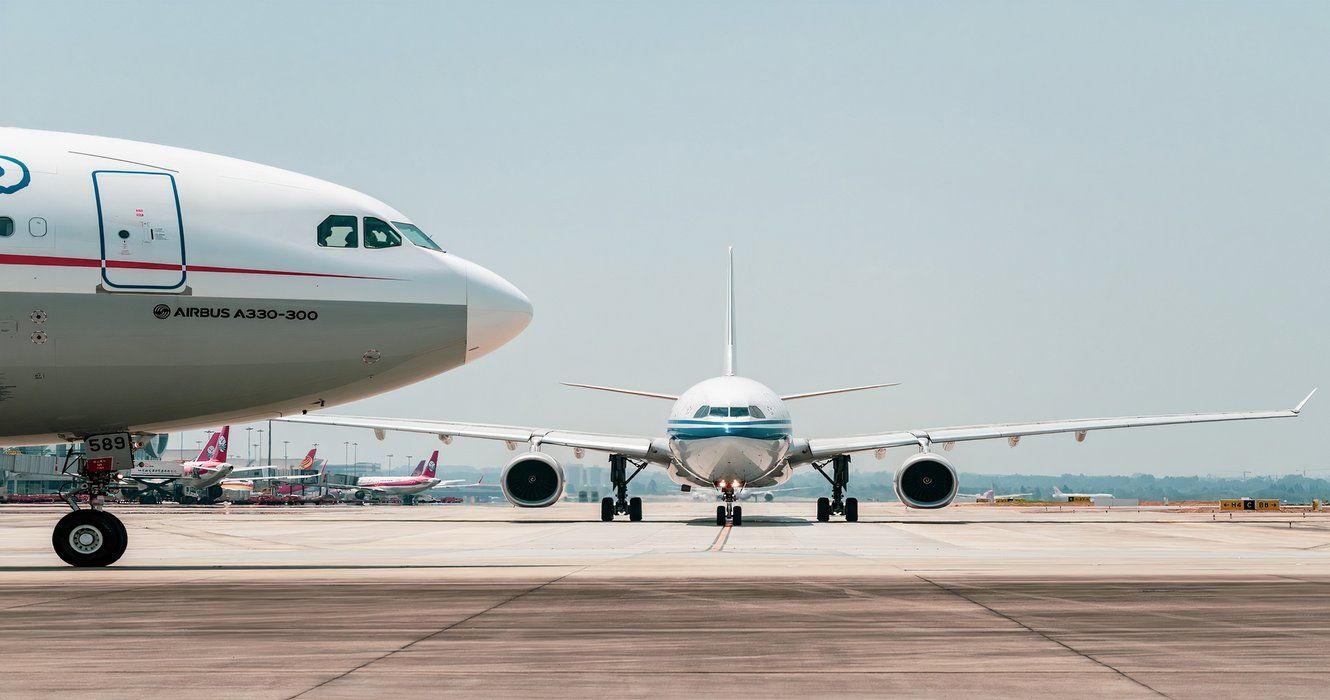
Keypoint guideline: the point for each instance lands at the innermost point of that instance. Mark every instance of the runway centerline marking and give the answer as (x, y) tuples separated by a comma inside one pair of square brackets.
[(721, 538)]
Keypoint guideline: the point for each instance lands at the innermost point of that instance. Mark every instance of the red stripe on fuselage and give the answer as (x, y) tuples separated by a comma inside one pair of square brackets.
[(54, 261)]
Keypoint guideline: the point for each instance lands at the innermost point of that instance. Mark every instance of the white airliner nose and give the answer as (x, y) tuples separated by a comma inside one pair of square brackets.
[(496, 311)]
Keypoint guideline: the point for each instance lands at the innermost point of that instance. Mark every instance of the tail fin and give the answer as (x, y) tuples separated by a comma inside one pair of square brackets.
[(1057, 492), (222, 444), (432, 465), (215, 450), (209, 449), (420, 469), (307, 463), (988, 495), (731, 356)]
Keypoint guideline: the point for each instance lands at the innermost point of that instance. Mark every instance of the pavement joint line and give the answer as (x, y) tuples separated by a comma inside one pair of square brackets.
[(1056, 641), (721, 538), (103, 593), (436, 633)]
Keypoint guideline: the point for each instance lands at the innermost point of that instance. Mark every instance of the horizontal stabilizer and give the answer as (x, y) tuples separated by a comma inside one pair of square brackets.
[(810, 394), (632, 392)]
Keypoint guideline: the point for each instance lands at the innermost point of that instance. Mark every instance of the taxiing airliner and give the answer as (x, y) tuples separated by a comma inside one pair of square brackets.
[(731, 433), (148, 289)]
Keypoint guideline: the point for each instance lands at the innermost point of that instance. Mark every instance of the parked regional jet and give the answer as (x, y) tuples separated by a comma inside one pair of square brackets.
[(732, 433), (989, 497), (201, 474), (133, 271), (246, 484), (423, 479)]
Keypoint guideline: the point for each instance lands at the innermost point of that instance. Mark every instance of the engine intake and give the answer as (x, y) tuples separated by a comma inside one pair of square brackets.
[(926, 480), (533, 480)]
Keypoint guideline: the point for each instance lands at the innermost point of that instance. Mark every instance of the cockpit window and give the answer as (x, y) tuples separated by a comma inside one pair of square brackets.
[(756, 412), (702, 412), (719, 411), (339, 231), (738, 411), (378, 234), (415, 235)]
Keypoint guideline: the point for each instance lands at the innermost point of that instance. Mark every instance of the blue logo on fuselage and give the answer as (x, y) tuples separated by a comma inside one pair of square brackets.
[(13, 177)]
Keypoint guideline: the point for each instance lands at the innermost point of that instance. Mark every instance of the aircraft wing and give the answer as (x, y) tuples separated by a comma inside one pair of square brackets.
[(456, 484), (629, 445), (821, 448), (299, 477)]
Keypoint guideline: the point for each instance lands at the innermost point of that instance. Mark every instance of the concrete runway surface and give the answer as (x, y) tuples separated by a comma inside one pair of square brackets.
[(358, 602)]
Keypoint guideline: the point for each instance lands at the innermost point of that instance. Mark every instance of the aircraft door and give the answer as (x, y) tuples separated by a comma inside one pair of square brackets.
[(143, 237)]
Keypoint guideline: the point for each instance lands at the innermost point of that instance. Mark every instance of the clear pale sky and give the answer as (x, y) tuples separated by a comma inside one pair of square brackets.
[(1021, 211)]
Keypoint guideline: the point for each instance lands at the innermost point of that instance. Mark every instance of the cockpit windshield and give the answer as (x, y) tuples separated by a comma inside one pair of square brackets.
[(415, 235)]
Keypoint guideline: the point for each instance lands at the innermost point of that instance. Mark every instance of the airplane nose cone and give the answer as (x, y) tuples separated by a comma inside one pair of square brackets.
[(496, 312)]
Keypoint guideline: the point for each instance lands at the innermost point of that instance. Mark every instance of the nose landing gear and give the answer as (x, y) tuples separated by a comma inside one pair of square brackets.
[(89, 536), (621, 504), (728, 513), (839, 480)]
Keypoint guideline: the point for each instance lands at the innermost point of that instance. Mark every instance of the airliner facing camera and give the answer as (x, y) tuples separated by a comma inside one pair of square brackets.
[(731, 433)]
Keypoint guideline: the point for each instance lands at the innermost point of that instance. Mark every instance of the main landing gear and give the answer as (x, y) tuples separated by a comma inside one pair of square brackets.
[(621, 504), (89, 536), (728, 513), (839, 480)]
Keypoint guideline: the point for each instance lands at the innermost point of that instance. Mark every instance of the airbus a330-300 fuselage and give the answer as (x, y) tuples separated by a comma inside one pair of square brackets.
[(147, 289)]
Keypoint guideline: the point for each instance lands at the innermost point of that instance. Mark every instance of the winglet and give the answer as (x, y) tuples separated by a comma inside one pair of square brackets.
[(1304, 402)]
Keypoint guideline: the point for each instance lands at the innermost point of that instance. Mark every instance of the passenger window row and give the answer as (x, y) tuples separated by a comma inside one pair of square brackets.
[(37, 227)]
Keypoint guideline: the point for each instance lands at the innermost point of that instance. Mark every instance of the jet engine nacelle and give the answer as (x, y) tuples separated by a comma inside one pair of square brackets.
[(926, 480), (532, 480)]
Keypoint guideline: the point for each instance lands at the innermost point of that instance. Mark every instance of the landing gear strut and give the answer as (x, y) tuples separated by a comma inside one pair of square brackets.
[(89, 536), (621, 504), (729, 513), (839, 480)]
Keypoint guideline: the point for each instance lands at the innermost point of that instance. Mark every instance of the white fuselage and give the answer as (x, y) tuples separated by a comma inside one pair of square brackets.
[(729, 429), (146, 288), (397, 485), (193, 474)]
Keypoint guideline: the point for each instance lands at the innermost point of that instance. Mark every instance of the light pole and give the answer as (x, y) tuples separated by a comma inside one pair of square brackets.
[(408, 461), (346, 450), (249, 442), (285, 445), (260, 445), (355, 453), (390, 464)]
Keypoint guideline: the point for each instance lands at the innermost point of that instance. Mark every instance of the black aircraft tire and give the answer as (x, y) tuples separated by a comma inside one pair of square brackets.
[(87, 538), (118, 524), (635, 509), (606, 509), (738, 516), (823, 509), (851, 510), (720, 516)]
